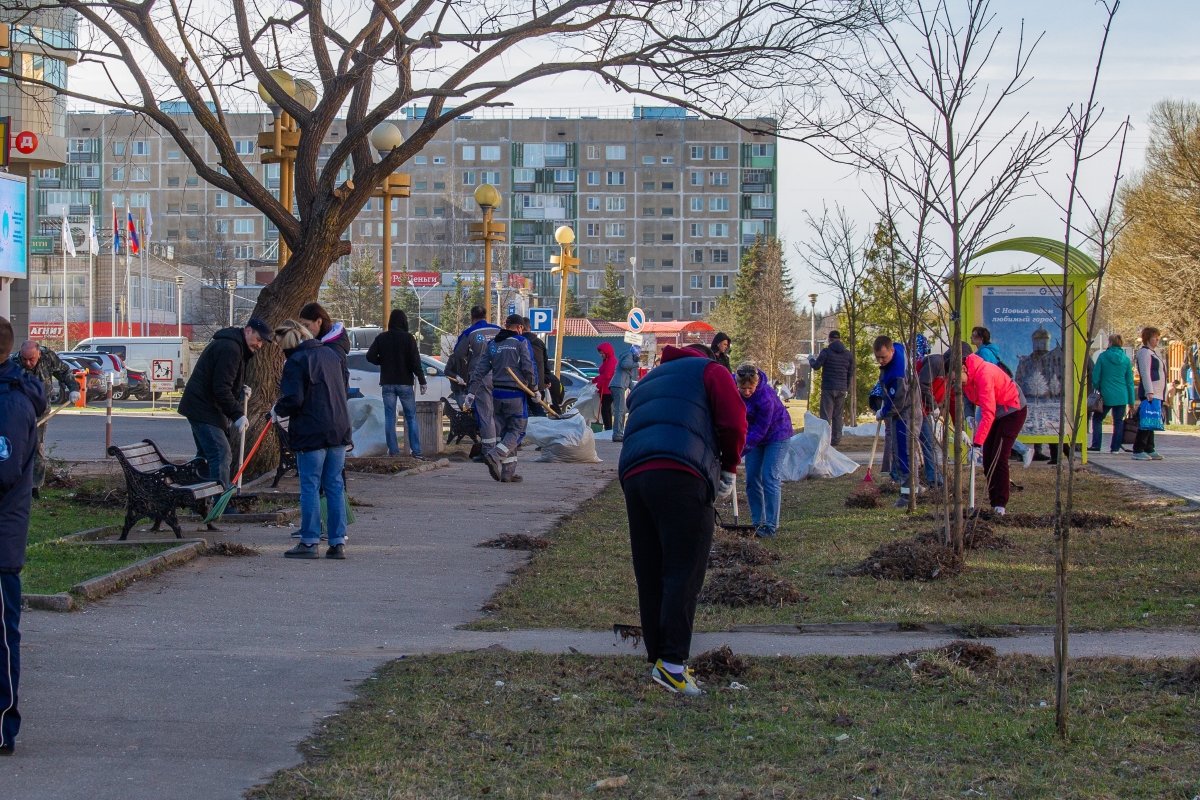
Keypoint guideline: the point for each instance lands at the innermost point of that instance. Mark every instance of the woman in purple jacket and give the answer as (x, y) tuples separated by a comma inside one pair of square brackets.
[(768, 430)]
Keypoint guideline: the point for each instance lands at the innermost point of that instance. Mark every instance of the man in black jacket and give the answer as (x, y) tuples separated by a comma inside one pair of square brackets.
[(540, 363), (22, 400), (838, 365), (395, 351), (212, 398), (44, 364), (720, 347)]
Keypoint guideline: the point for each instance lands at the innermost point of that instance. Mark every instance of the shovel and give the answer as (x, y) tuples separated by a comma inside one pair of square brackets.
[(971, 456), (46, 418), (242, 446), (735, 527), (550, 412), (874, 444)]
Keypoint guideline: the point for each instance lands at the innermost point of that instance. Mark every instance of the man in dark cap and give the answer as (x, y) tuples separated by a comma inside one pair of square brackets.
[(212, 399)]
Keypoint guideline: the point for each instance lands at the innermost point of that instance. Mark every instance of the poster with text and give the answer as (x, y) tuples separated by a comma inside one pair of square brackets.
[(13, 256), (1026, 326)]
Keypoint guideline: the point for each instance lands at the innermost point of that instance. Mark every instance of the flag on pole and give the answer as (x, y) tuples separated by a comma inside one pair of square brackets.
[(93, 239), (149, 227), (68, 242), (116, 232), (133, 237)]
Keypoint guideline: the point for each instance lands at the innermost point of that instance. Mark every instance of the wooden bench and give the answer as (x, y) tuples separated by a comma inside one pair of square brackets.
[(157, 487), (287, 458)]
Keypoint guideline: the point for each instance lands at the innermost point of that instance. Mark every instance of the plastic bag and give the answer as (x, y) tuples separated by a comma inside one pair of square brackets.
[(1150, 415), (367, 427), (810, 455), (569, 439), (588, 404)]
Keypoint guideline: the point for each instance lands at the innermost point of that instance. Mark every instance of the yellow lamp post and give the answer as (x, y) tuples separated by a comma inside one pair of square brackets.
[(385, 138), (566, 265), (487, 232), (279, 144)]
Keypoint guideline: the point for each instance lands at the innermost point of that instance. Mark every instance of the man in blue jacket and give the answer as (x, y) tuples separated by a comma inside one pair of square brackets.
[(507, 355), (470, 347), (22, 401), (893, 377)]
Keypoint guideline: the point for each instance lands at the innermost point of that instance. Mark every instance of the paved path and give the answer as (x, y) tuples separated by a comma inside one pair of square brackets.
[(1178, 473), (75, 436)]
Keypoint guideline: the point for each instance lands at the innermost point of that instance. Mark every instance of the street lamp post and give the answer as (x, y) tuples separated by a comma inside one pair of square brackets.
[(812, 342), (179, 305), (566, 265), (281, 141), (633, 267), (385, 138), (231, 285), (487, 232)]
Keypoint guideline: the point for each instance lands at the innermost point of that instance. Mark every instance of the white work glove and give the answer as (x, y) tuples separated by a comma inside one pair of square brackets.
[(936, 413), (275, 416), (424, 388), (468, 402), (240, 423), (879, 415), (725, 487), (74, 398)]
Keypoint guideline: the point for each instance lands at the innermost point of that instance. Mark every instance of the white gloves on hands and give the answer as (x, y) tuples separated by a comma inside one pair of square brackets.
[(936, 413), (879, 415), (424, 388), (275, 416), (468, 402), (240, 423), (74, 398), (725, 487)]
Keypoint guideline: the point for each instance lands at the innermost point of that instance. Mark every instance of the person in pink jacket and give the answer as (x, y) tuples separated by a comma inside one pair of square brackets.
[(1001, 416), (608, 366)]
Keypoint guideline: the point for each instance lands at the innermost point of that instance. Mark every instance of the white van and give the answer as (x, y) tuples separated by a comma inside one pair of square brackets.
[(138, 351)]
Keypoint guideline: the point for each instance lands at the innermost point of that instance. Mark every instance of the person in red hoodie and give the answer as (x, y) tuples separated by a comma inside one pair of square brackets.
[(608, 366), (1002, 415), (683, 441)]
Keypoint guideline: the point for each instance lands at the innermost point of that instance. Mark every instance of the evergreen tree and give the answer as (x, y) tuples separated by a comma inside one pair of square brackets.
[(358, 298), (573, 309), (613, 304), (475, 297), (455, 312), (734, 313), (404, 297)]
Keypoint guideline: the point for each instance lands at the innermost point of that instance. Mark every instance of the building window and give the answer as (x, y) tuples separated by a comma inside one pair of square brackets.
[(192, 180), (668, 315), (668, 186), (564, 175), (421, 185), (720, 256), (668, 237), (648, 160), (364, 228), (616, 178), (647, 212), (614, 203), (593, 256), (422, 211), (593, 179), (762, 201), (222, 226), (141, 148), (718, 204), (439, 159), (647, 238), (524, 175), (193, 208), (420, 160), (720, 153), (593, 204), (668, 159), (667, 211), (439, 186), (118, 199), (489, 152), (616, 257), (697, 203), (468, 152), (647, 186), (221, 200), (718, 178), (697, 282), (240, 203), (668, 262), (47, 290), (243, 225), (593, 229), (648, 263), (118, 174), (437, 212), (615, 229), (615, 152), (718, 281), (140, 174), (490, 178), (696, 307), (192, 233), (697, 229), (697, 152), (696, 178), (647, 290), (139, 199), (172, 182), (712, 305), (468, 178), (118, 148), (244, 147), (762, 150), (697, 256), (593, 151), (243, 251), (172, 155), (172, 233)]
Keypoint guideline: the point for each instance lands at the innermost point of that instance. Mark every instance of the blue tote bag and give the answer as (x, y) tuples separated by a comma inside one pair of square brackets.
[(1150, 415)]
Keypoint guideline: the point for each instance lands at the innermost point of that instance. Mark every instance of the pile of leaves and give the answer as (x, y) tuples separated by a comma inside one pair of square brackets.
[(97, 494), (910, 560), (381, 466), (730, 551), (865, 495), (977, 535), (1079, 519), (720, 662), (516, 541), (232, 549), (743, 586)]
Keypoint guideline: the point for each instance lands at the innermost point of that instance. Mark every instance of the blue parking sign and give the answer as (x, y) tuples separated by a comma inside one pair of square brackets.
[(541, 320)]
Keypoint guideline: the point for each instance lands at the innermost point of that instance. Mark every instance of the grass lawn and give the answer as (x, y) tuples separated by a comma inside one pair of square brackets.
[(498, 724), (52, 566), (1142, 573)]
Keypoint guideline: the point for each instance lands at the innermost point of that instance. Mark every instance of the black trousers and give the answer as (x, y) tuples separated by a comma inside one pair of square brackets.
[(670, 534), (10, 656), (606, 404)]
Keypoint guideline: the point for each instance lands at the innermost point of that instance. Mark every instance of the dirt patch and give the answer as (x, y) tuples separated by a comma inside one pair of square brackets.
[(381, 466), (977, 535), (732, 551), (969, 655), (719, 663), (1184, 679), (1079, 519), (910, 560), (232, 549), (516, 541), (981, 631), (748, 586), (864, 496)]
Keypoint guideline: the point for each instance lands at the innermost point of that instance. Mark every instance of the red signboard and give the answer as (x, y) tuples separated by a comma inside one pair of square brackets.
[(26, 142), (418, 279), (52, 331)]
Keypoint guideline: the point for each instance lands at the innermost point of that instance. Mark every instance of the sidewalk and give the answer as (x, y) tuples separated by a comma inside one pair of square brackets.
[(1178, 473)]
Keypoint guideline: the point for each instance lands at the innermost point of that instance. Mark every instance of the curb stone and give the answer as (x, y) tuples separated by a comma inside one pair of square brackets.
[(114, 581), (432, 465), (49, 602)]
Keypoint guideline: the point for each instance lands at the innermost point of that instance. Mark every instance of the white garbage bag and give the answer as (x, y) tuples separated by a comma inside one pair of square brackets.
[(569, 439), (367, 427), (811, 456), (865, 429), (588, 404)]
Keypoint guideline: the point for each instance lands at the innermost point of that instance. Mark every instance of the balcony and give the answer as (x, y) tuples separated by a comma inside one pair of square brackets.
[(88, 183), (82, 158), (48, 183)]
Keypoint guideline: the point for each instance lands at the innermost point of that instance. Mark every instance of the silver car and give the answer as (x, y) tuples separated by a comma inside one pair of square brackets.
[(364, 376)]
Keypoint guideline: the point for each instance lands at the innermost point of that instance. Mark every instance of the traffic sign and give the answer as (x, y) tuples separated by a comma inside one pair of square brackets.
[(512, 308), (541, 320), (636, 319), (162, 375), (633, 338)]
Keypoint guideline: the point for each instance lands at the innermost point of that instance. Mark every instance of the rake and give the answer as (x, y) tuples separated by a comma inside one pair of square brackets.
[(874, 444), (223, 501)]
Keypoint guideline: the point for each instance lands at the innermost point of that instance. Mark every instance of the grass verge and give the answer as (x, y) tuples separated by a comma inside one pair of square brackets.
[(1143, 572), (52, 566), (496, 724)]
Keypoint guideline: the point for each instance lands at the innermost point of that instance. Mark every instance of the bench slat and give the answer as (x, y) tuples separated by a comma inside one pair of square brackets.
[(200, 490), (146, 463), (132, 451)]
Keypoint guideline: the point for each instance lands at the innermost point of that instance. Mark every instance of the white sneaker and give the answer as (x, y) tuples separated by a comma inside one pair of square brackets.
[(1027, 459), (998, 511)]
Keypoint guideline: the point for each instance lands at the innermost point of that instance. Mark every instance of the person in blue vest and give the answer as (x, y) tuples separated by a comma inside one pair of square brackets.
[(683, 440), (897, 404), (468, 349), (507, 355), (22, 401)]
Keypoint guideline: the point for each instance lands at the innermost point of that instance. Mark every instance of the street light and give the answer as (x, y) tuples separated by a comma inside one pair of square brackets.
[(633, 266), (179, 305), (281, 141), (231, 285), (566, 266), (385, 138), (487, 232), (812, 342)]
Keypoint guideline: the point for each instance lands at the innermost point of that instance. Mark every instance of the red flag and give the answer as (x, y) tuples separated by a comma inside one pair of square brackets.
[(133, 239)]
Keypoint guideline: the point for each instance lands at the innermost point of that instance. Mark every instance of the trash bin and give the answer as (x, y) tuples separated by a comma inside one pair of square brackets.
[(429, 426)]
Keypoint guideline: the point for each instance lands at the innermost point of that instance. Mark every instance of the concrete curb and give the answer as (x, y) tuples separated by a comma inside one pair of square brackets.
[(92, 534), (49, 602), (282, 515), (966, 631), (432, 465), (107, 584)]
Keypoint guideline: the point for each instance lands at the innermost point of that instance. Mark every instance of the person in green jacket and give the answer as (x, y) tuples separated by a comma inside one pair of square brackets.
[(1113, 378)]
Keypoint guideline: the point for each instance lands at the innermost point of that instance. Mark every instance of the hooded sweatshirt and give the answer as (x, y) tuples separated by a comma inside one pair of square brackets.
[(721, 358), (22, 401), (608, 365), (767, 419), (996, 394), (627, 369), (213, 394)]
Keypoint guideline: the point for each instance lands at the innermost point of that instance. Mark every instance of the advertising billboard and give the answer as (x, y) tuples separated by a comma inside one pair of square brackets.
[(14, 257)]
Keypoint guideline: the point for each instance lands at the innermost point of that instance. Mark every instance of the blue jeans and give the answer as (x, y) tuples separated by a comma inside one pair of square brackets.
[(10, 657), (212, 443), (764, 478), (408, 402), (1118, 435), (322, 469)]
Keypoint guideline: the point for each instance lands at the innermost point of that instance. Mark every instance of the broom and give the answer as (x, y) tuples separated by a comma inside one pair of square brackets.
[(223, 501)]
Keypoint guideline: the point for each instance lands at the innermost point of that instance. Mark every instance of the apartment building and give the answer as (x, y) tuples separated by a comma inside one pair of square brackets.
[(670, 200)]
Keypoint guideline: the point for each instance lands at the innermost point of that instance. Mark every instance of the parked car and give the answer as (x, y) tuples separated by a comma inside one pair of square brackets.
[(362, 338), (589, 369), (364, 376), (110, 365), (139, 387), (139, 351), (87, 373)]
